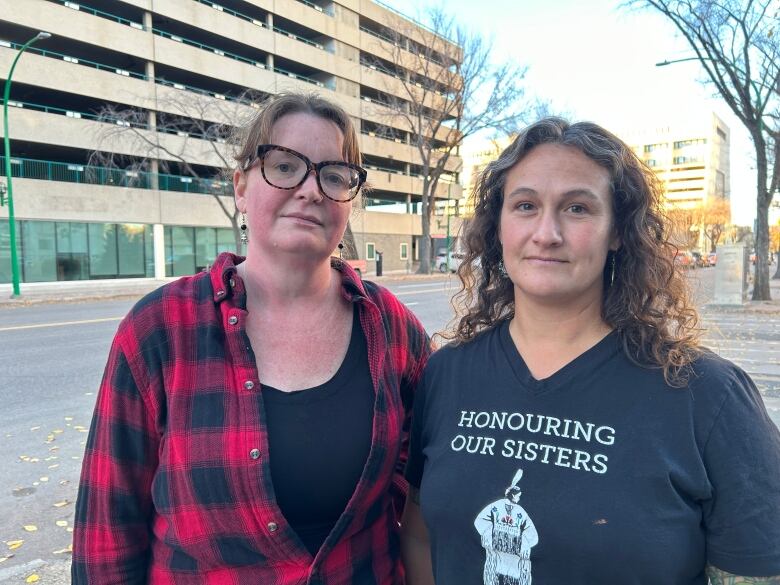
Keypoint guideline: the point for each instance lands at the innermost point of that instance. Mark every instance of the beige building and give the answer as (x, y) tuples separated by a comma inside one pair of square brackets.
[(153, 211), (691, 157)]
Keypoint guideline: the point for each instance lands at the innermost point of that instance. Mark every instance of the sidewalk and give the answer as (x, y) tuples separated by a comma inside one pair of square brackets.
[(75, 291), (128, 288)]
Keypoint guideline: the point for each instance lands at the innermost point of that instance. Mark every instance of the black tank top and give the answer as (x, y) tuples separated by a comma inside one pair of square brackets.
[(319, 440)]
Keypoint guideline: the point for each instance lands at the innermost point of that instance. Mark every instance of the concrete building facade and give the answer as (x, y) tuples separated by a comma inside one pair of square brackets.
[(153, 85)]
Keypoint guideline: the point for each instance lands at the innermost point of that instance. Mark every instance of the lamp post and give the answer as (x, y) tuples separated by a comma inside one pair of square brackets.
[(7, 144)]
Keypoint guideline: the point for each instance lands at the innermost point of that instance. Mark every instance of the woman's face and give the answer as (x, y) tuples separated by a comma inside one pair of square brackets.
[(300, 220), (556, 226)]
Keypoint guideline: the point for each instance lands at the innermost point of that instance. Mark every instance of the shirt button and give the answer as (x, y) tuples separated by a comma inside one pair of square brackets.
[(255, 453), (272, 527), (232, 319), (232, 283), (220, 293), (249, 384)]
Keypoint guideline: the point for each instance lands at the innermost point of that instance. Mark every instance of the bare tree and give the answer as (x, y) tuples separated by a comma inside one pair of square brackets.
[(685, 226), (180, 128), (737, 43), (714, 216), (442, 85)]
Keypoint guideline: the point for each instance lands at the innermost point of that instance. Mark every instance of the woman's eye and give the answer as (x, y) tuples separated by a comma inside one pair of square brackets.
[(577, 208), (525, 207)]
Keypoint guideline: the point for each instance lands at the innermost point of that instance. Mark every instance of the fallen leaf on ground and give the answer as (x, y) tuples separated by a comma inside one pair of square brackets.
[(5, 558), (14, 544), (67, 549), (61, 523), (30, 527), (35, 428), (68, 418), (32, 578), (44, 478), (61, 504)]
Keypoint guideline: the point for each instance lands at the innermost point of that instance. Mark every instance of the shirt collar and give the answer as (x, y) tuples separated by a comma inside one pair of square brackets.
[(223, 272)]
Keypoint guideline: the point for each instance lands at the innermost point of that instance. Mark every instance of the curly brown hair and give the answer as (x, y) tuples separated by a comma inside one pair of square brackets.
[(648, 303)]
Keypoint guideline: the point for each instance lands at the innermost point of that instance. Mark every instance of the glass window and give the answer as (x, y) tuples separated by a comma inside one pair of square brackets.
[(130, 245), (149, 250), (370, 251), (72, 251), (205, 247), (38, 257), (182, 258), (102, 250), (404, 251), (226, 241), (5, 250)]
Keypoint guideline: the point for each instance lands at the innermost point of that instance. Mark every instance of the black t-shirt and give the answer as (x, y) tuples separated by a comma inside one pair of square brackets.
[(318, 440), (599, 474)]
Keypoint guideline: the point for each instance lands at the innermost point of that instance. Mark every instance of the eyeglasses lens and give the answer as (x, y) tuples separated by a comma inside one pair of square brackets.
[(285, 170)]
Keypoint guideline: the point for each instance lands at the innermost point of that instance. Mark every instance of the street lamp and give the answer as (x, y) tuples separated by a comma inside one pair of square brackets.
[(7, 142)]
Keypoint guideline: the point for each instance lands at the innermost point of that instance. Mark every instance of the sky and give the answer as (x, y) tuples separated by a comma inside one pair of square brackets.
[(595, 60)]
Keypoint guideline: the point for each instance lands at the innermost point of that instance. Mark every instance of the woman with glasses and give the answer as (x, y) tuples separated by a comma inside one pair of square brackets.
[(575, 432), (252, 420)]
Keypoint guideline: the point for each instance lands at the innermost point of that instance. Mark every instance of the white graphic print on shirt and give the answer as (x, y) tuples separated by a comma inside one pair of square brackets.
[(508, 535)]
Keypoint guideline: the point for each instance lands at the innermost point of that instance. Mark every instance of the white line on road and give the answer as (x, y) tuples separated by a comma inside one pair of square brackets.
[(411, 304), (400, 286), (420, 292), (60, 324)]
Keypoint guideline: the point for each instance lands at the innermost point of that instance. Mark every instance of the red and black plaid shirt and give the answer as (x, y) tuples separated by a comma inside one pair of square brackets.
[(176, 486)]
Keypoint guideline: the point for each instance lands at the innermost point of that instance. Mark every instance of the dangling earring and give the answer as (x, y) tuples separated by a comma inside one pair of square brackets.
[(244, 238), (341, 250), (612, 269), (502, 269)]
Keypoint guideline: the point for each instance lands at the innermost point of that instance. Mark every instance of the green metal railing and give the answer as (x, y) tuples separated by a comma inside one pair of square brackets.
[(76, 60), (101, 14), (25, 168), (316, 7)]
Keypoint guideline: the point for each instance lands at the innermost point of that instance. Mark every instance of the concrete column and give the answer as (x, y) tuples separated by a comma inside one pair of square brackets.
[(408, 203), (158, 238)]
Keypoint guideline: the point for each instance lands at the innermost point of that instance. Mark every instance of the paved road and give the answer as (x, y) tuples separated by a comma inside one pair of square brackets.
[(51, 363)]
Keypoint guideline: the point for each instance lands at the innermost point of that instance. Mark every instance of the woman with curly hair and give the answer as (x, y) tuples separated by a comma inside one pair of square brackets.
[(574, 431)]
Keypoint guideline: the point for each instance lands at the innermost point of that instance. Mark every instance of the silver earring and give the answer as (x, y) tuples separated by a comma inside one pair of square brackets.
[(612, 270), (341, 250), (244, 238), (502, 269)]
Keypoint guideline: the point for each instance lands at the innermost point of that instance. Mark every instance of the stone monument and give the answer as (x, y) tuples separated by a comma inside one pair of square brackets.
[(731, 272)]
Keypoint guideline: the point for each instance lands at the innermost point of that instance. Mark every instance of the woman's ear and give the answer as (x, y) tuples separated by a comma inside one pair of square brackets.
[(239, 189)]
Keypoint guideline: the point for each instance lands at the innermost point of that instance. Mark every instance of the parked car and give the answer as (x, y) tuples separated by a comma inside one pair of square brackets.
[(685, 259), (455, 259), (699, 260)]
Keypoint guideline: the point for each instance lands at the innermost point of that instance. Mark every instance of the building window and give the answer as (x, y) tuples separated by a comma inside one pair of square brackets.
[(404, 251), (682, 160), (650, 162), (684, 143), (370, 251), (55, 251), (720, 183), (193, 249)]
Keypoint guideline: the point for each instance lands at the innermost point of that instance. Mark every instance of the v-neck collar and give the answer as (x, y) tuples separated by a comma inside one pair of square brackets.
[(580, 368)]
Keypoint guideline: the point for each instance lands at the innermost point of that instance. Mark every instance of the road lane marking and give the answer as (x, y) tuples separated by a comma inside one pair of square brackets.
[(420, 292), (60, 324)]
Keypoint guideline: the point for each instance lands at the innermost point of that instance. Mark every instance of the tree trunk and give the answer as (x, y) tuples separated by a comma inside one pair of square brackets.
[(761, 275), (777, 263), (425, 239)]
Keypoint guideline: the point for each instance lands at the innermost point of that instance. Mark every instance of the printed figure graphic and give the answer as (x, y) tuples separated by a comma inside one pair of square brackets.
[(508, 535)]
